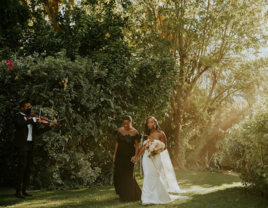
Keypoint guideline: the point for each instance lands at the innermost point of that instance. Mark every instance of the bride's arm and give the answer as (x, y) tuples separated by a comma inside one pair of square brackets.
[(164, 140), (141, 151)]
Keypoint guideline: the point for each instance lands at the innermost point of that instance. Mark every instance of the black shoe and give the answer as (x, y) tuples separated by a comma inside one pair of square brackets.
[(25, 193), (18, 194)]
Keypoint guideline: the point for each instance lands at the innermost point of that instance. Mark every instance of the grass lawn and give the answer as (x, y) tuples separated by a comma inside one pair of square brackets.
[(204, 189)]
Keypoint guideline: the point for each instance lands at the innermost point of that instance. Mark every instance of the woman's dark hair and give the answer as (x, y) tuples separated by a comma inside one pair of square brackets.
[(147, 131), (128, 118)]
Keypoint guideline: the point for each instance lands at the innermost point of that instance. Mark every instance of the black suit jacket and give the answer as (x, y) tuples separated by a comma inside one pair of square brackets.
[(21, 133)]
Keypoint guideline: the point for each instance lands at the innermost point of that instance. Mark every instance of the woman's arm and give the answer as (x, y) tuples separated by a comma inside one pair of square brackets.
[(163, 139), (141, 151), (116, 145), (134, 158), (137, 147)]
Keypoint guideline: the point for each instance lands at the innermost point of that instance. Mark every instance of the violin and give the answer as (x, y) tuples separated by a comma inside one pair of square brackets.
[(44, 120)]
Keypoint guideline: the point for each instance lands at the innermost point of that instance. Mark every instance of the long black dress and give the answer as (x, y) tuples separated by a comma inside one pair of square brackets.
[(125, 183)]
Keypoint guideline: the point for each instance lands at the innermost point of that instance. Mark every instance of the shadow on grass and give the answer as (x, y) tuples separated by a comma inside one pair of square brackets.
[(74, 198), (204, 189), (236, 197)]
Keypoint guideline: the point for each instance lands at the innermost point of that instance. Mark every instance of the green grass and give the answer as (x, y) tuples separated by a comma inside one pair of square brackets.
[(204, 189)]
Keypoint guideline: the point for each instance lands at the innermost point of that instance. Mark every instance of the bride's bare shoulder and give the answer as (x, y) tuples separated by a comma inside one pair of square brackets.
[(162, 133)]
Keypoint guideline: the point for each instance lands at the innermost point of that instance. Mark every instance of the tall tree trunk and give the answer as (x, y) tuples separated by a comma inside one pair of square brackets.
[(179, 140), (52, 6)]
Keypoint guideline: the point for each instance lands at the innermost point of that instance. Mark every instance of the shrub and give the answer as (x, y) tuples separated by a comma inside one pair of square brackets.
[(86, 78), (245, 148), (88, 98)]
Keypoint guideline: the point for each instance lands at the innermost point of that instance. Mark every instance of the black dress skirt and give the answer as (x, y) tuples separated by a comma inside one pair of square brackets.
[(125, 183)]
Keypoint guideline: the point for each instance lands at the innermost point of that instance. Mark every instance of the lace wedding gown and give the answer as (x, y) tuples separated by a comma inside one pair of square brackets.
[(158, 179)]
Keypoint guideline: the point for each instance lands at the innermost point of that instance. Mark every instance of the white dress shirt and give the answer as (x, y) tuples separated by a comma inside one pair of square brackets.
[(30, 128)]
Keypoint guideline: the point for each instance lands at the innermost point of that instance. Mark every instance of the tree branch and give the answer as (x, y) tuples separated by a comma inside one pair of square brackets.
[(24, 2), (195, 80), (226, 97)]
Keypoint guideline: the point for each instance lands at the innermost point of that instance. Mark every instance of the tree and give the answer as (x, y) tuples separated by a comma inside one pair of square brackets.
[(89, 86), (208, 38), (51, 7), (14, 20)]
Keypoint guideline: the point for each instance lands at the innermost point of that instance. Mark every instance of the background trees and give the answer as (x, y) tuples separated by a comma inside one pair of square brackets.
[(14, 20), (207, 39), (90, 62)]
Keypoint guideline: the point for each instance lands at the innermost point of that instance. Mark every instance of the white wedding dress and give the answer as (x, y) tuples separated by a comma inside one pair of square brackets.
[(159, 179)]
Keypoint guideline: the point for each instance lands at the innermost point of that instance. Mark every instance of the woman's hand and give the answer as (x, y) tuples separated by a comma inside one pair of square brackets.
[(134, 159), (140, 152), (113, 158)]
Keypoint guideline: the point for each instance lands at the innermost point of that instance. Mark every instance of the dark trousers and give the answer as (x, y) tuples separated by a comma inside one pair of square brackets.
[(25, 160)]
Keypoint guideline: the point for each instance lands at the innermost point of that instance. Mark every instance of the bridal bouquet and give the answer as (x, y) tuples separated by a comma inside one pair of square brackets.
[(153, 147)]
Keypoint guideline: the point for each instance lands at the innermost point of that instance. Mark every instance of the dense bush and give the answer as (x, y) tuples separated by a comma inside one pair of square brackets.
[(245, 148), (83, 75), (88, 98)]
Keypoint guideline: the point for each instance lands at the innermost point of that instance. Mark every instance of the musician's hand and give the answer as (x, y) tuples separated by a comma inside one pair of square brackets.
[(38, 120), (52, 123), (113, 158)]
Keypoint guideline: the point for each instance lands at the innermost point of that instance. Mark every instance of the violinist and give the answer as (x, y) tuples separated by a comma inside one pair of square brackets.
[(26, 130)]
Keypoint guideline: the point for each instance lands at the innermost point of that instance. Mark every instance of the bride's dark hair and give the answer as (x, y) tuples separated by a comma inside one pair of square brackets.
[(147, 131)]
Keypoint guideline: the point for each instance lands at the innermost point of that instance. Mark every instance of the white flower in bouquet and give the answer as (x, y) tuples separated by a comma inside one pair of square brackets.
[(152, 147), (158, 147)]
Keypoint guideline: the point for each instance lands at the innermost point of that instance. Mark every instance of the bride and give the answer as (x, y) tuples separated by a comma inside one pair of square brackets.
[(159, 176)]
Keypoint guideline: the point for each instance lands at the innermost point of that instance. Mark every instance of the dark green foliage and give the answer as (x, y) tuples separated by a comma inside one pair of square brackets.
[(89, 99), (14, 18), (13, 21), (81, 32), (85, 77)]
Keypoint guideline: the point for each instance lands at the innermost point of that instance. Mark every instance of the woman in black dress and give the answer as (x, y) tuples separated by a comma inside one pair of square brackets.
[(127, 146)]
